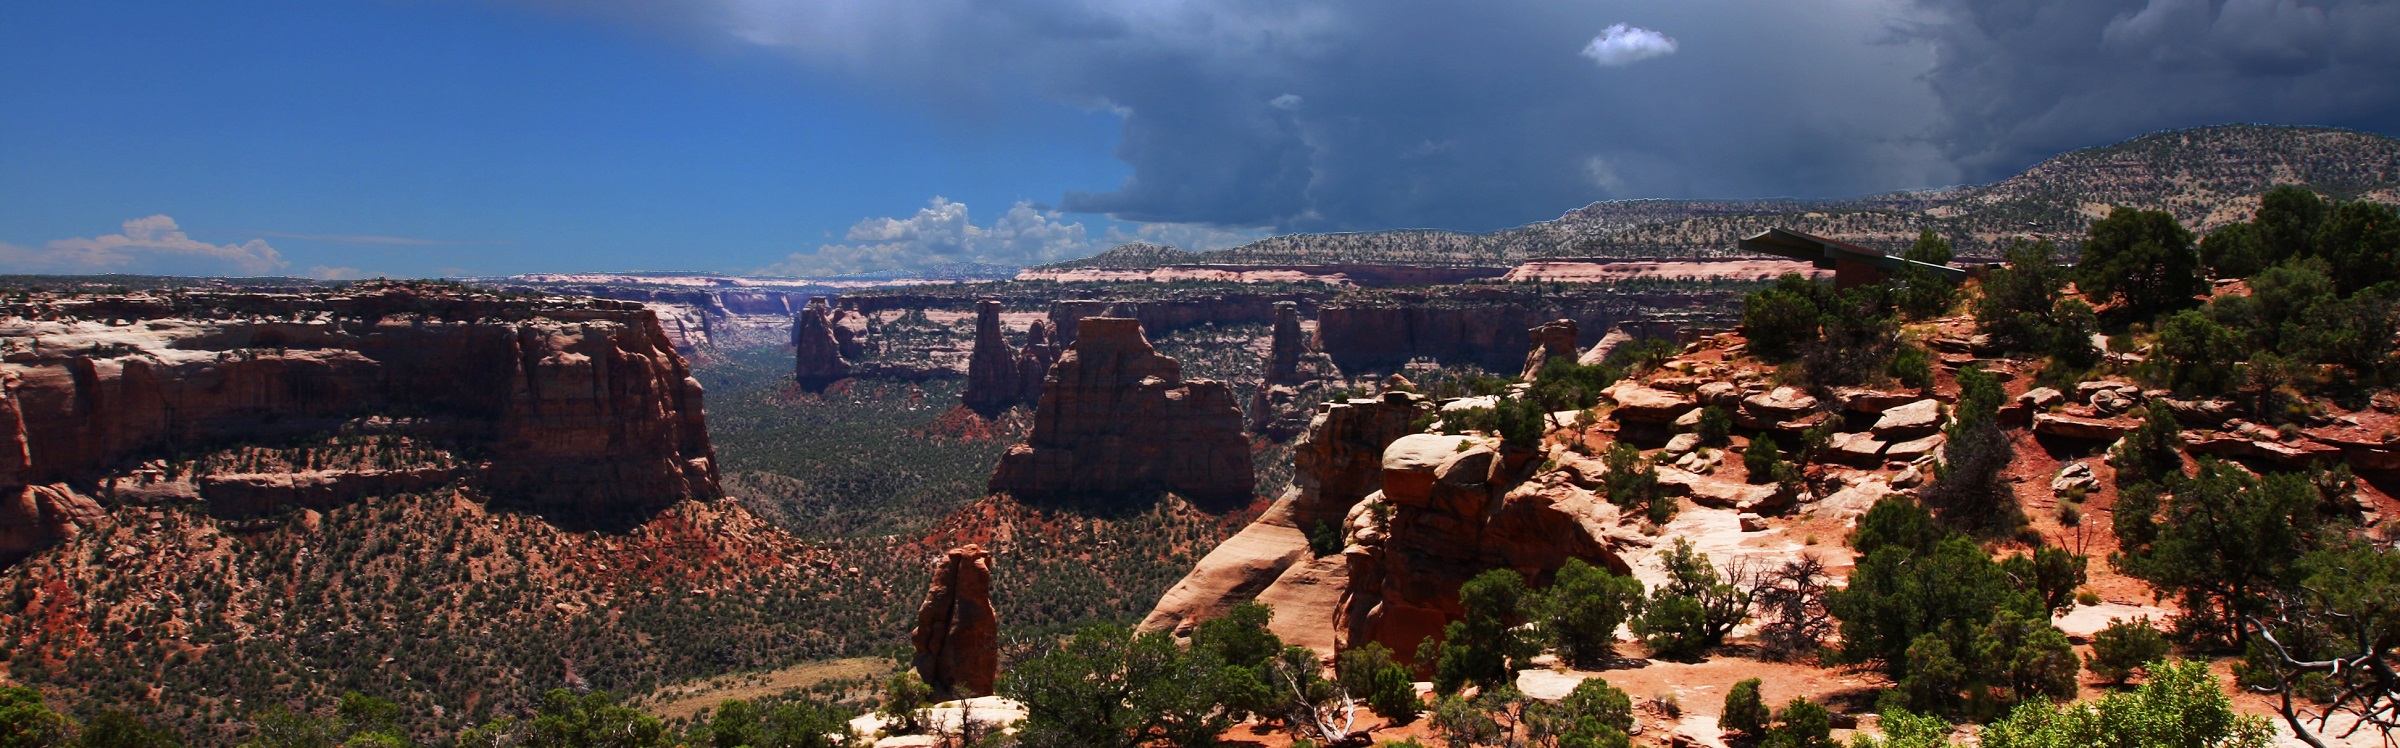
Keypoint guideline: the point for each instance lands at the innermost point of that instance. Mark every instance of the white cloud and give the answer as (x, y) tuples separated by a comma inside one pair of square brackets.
[(1624, 44), (321, 272), (1286, 102), (942, 233), (153, 245)]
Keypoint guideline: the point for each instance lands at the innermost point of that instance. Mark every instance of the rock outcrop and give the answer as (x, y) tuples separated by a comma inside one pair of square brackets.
[(1337, 462), (1450, 508), (1382, 331), (998, 374), (957, 637), (816, 351), (992, 383), (1284, 345), (579, 408), (1552, 339), (1117, 418)]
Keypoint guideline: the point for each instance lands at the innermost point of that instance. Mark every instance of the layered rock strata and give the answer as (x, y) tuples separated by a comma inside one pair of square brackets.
[(578, 407), (1117, 418), (957, 637), (816, 349)]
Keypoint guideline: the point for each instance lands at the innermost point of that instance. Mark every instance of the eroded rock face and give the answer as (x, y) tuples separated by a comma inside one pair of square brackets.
[(1550, 340), (816, 351), (580, 407), (1284, 347), (1117, 418), (998, 374), (992, 382), (1337, 462), (957, 636), (1446, 514)]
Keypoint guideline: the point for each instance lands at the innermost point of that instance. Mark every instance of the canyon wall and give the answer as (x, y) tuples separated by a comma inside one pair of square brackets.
[(574, 407), (1483, 326)]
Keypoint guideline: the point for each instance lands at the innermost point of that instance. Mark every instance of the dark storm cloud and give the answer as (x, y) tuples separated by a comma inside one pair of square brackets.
[(1369, 114), (2019, 81)]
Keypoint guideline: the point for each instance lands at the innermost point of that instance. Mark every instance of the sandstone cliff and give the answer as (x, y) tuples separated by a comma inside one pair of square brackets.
[(957, 637), (1116, 418), (578, 408), (1450, 508), (1284, 347), (1336, 463), (1380, 331)]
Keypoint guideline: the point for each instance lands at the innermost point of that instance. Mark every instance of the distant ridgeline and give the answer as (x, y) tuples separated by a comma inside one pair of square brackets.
[(2207, 177)]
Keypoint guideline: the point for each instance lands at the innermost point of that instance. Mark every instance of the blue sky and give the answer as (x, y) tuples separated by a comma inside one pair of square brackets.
[(441, 137)]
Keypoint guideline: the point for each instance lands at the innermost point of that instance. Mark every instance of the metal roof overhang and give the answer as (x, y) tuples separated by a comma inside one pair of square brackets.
[(1826, 253)]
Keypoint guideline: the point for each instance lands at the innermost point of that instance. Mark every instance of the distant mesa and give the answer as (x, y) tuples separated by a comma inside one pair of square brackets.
[(579, 408), (1116, 418)]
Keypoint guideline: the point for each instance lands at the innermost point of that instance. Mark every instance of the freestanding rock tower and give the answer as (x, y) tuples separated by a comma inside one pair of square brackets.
[(1117, 418)]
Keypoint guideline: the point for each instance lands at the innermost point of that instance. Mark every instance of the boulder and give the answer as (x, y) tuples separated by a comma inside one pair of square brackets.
[(2363, 448), (1858, 447), (2112, 402), (1914, 448), (2043, 398), (957, 637), (1640, 404), (1715, 493), (1700, 462), (2078, 427), (1682, 444), (1779, 404), (1871, 402), (1725, 395), (2075, 476), (1751, 522), (1917, 419), (2209, 414)]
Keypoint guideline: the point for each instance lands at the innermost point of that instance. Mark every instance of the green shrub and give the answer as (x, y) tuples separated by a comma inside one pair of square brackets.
[(1779, 319), (1745, 710), (1485, 646), (1913, 367), (2144, 260), (1695, 609), (1715, 425), (2124, 646), (1801, 724), (1368, 673), (1761, 458), (1580, 612), (2182, 705)]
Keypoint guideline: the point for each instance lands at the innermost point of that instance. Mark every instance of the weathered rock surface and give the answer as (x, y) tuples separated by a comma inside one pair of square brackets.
[(957, 637), (1553, 339), (816, 353), (998, 374), (1284, 345), (1446, 514), (2078, 427), (1779, 404), (1641, 404), (580, 407), (1335, 464), (1914, 420), (1117, 418)]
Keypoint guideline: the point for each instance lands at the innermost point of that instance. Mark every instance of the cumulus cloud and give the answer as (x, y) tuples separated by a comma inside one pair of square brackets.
[(1624, 44), (943, 233), (152, 245)]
